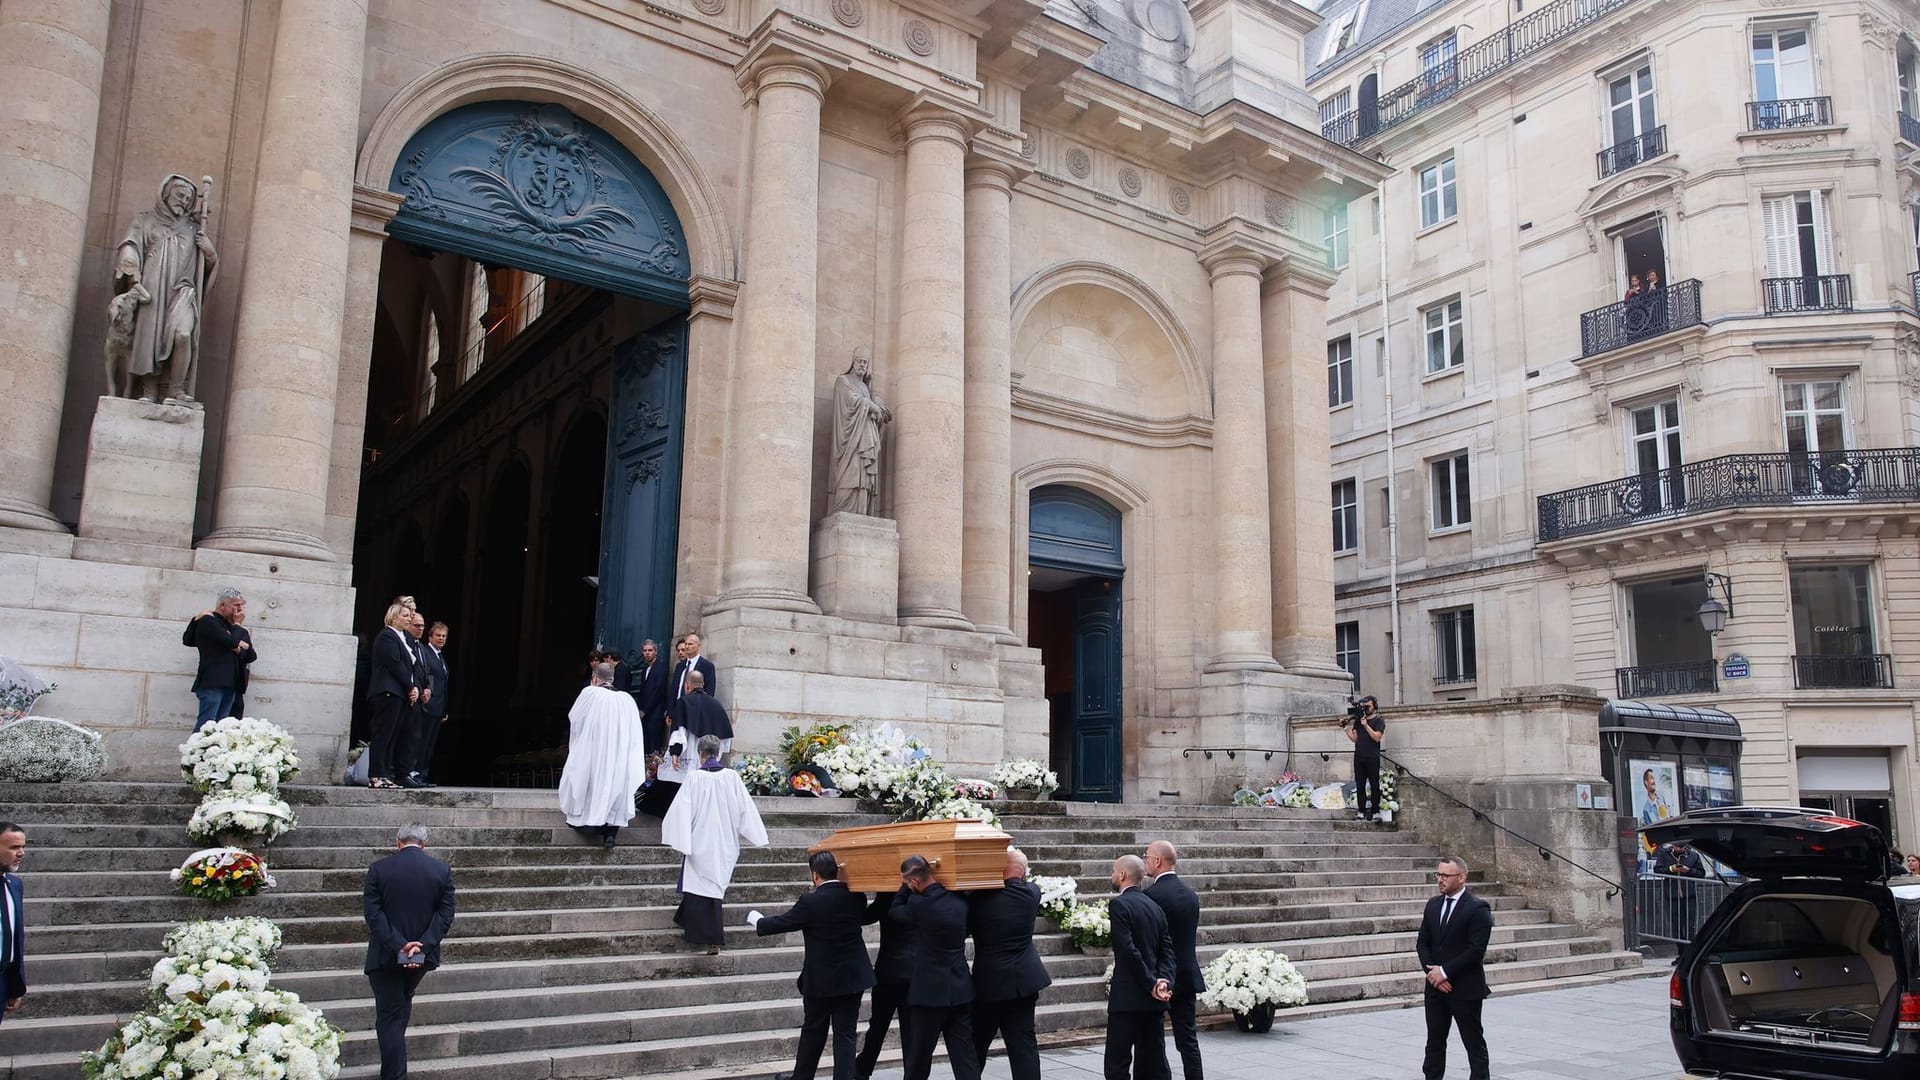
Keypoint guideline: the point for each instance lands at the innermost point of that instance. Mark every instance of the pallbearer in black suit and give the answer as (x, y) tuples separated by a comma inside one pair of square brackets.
[(893, 974), (1007, 973), (691, 660), (1182, 906), (433, 701), (834, 971), (1143, 971), (940, 999), (1453, 950), (408, 904)]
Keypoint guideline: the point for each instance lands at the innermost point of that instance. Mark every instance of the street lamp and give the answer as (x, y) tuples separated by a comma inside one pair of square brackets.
[(1714, 614)]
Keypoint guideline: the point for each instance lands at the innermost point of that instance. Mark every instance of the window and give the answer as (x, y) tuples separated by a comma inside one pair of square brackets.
[(1832, 611), (1453, 649), (1630, 109), (1452, 493), (473, 338), (1654, 455), (1335, 117), (429, 361), (1442, 326), (1908, 82), (1782, 65), (1671, 653), (1339, 372), (1438, 201), (1799, 235), (1346, 516), (1439, 69), (1913, 232), (1343, 32), (1346, 650), (1816, 415), (1338, 250)]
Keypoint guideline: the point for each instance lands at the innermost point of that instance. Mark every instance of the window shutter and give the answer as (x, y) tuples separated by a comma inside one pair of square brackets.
[(1822, 234), (1783, 255)]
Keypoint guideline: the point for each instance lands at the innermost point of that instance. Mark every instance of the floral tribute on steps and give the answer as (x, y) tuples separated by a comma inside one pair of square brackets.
[(237, 765), (221, 874)]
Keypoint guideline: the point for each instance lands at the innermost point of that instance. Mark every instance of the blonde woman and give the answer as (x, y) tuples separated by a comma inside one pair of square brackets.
[(393, 692)]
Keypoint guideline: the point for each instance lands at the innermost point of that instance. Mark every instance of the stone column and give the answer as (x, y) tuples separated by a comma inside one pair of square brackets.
[(1300, 501), (986, 539), (770, 456), (286, 345), (1243, 590), (52, 56), (372, 210), (930, 414)]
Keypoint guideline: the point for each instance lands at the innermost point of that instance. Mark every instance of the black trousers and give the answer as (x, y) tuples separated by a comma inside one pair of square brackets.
[(392, 1007), (1366, 783), (426, 737), (1137, 1043), (390, 715), (817, 1013), (1186, 1033), (925, 1027), (889, 999), (1443, 1011), (1012, 1020)]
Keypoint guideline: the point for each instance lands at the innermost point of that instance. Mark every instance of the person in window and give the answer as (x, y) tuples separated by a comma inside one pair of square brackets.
[(1634, 288)]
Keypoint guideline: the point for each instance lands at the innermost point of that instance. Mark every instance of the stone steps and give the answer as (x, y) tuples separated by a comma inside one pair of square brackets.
[(563, 961)]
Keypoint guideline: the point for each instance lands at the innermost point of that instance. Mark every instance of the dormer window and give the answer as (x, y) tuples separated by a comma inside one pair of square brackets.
[(1344, 31)]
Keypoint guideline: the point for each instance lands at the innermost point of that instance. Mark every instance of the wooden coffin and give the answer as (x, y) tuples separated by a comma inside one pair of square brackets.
[(962, 854)]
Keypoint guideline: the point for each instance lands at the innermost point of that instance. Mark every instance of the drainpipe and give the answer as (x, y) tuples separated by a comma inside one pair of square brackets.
[(1393, 480)]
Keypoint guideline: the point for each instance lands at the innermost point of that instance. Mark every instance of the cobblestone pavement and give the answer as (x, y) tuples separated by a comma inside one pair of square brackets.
[(1615, 1031)]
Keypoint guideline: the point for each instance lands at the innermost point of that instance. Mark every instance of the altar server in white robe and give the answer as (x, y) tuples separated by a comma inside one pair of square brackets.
[(606, 758), (709, 818)]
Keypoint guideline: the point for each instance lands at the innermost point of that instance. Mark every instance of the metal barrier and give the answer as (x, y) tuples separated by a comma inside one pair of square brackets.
[(1671, 909)]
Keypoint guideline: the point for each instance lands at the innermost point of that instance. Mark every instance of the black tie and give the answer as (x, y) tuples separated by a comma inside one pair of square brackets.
[(6, 921), (1446, 912)]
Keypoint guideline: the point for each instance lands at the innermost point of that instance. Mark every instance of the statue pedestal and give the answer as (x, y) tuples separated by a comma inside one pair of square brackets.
[(856, 568), (143, 472)]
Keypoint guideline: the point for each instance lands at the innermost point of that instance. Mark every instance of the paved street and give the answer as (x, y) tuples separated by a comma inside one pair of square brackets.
[(1612, 1032)]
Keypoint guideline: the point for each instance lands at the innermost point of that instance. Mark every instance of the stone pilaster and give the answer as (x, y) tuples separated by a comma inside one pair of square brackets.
[(930, 388), (52, 55), (1300, 500), (1243, 602), (372, 210), (275, 465), (770, 456), (986, 541)]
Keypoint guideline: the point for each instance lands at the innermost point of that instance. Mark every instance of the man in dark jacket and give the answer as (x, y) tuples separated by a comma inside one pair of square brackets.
[(834, 971), (650, 694), (1007, 973), (1143, 973), (225, 650), (408, 903), (1452, 945), (893, 974), (1182, 906), (13, 923), (433, 701), (940, 999)]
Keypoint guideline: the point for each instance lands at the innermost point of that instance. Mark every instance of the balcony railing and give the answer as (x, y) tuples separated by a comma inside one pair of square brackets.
[(1839, 477), (1815, 292), (1482, 60), (1665, 680), (1871, 671), (1913, 288), (1671, 307), (1789, 113), (1910, 129), (1458, 679), (1625, 155)]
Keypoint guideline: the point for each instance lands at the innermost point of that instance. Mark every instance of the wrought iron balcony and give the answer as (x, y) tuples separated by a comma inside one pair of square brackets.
[(1456, 680), (1913, 288), (1625, 155), (1671, 307), (1840, 477), (1910, 129), (1869, 671), (1814, 292), (1789, 113), (1665, 680)]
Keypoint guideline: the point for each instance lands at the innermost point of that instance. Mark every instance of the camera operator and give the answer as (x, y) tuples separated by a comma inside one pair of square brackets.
[(1365, 729)]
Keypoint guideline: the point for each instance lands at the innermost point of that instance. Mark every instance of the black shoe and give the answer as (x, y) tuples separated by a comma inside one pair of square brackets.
[(606, 841), (411, 783)]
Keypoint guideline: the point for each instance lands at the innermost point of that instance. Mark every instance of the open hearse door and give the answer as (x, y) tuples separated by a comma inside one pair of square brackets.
[(1768, 843)]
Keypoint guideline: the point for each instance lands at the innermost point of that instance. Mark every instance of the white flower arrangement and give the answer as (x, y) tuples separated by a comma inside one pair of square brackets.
[(1389, 790), (1089, 925), (978, 790), (250, 942), (1240, 979), (242, 754), (1330, 797), (960, 808), (43, 750), (1057, 896), (259, 814), (862, 768), (1025, 773), (921, 785)]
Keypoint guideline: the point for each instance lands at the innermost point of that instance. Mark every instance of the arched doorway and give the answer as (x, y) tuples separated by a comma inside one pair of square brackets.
[(1075, 570)]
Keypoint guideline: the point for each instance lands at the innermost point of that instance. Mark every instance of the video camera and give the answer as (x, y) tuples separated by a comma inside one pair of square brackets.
[(1357, 710)]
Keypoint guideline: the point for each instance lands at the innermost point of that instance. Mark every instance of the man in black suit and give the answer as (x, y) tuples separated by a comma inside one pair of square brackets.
[(1143, 972), (433, 700), (1182, 906), (393, 690), (1007, 973), (940, 998), (834, 971), (1453, 949), (650, 694), (225, 650), (408, 902), (691, 660), (13, 925), (893, 975)]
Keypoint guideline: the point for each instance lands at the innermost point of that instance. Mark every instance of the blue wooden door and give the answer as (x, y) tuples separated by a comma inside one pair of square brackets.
[(1096, 691), (640, 530)]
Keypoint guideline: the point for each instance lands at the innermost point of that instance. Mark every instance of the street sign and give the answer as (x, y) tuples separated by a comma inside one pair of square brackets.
[(1735, 667)]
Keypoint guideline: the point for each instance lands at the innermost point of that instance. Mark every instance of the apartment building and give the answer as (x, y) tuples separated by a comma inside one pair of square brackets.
[(1641, 398)]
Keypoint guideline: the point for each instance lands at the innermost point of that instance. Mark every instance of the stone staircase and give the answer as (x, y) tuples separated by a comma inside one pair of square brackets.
[(563, 961)]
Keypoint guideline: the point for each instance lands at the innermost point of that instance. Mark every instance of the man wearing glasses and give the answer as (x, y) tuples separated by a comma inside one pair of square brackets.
[(1453, 947)]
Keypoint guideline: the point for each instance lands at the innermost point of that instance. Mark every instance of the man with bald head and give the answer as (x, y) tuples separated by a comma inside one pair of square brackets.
[(1182, 906), (1007, 973), (1143, 972)]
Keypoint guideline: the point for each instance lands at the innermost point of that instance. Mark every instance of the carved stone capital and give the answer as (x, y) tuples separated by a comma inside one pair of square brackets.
[(373, 208)]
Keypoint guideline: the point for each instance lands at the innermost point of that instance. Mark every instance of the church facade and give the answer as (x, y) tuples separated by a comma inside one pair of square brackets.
[(547, 313)]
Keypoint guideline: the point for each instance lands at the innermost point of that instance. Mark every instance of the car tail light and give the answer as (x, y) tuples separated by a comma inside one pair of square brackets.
[(1910, 1012), (1678, 999)]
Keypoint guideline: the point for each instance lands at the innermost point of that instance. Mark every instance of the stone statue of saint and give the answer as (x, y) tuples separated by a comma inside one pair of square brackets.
[(161, 274), (857, 418)]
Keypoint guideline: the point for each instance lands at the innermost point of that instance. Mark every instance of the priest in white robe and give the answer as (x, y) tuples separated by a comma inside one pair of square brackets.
[(709, 819), (606, 758)]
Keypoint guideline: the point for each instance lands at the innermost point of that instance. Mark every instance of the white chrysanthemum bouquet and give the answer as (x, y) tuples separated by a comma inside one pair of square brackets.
[(1089, 925), (1057, 896), (1025, 773), (1240, 979), (243, 754)]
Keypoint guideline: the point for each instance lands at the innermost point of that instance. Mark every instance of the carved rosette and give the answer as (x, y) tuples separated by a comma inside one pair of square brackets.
[(1280, 211), (849, 13), (1029, 146), (1181, 200), (918, 36), (1130, 181), (1079, 163), (710, 7)]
